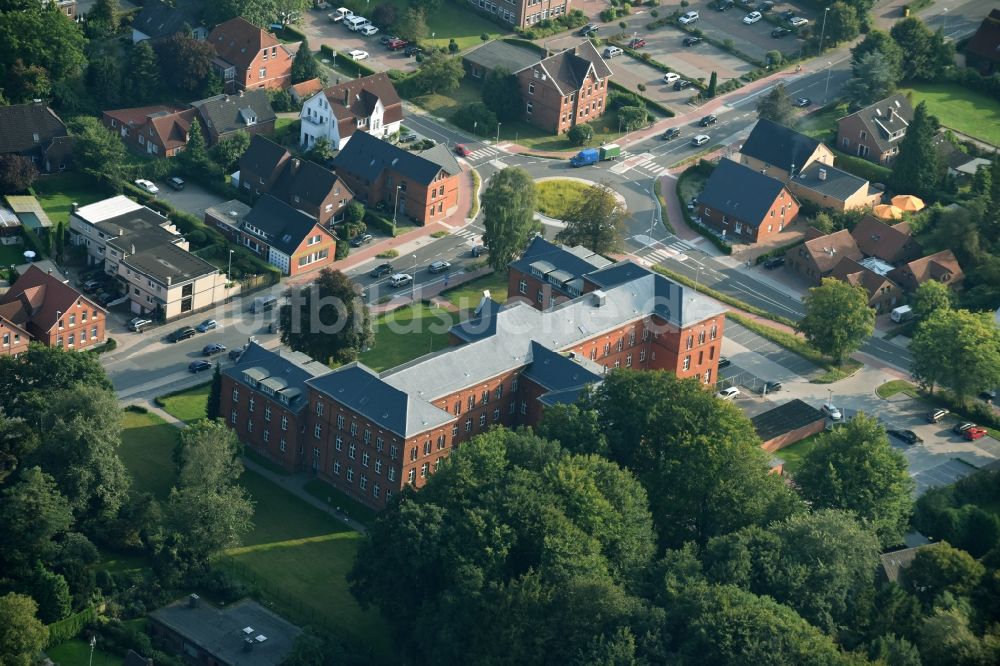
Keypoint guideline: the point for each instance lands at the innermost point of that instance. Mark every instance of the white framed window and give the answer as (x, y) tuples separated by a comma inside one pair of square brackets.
[(284, 422), (411, 476), (318, 431), (232, 417), (522, 286), (236, 394), (378, 465), (267, 412), (281, 445), (482, 420), (391, 474), (423, 471), (363, 482), (364, 459), (350, 451), (340, 421), (338, 443), (336, 467), (350, 474), (687, 363)]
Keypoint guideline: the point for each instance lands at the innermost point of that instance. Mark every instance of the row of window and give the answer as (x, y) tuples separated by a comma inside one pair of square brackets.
[(72, 318), (711, 334), (71, 339), (686, 365), (484, 397)]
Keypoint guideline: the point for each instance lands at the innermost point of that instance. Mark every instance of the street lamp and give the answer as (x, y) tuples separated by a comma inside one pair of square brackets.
[(413, 281), (498, 133), (826, 90), (93, 644), (229, 270), (944, 21), (822, 33), (395, 208)]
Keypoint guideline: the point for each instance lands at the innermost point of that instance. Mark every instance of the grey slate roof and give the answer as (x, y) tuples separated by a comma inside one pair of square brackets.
[(884, 117), (499, 54), (308, 181), (284, 228), (838, 184), (262, 156), (168, 263), (739, 191), (548, 257), (20, 122), (778, 145), (556, 372), (160, 19), (276, 367), (229, 113), (792, 415), (568, 69), (367, 157)]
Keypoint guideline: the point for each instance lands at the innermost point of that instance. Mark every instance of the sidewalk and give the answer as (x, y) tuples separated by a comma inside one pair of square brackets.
[(294, 484)]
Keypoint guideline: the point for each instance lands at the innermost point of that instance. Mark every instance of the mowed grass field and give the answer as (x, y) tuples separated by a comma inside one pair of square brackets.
[(468, 295), (57, 194), (452, 21), (556, 197), (189, 405), (147, 451), (960, 109), (77, 653), (404, 334)]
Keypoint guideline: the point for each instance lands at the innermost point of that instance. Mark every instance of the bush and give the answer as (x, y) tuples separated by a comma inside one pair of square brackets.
[(343, 249), (607, 15), (874, 173), (632, 117), (580, 135), (391, 253), (475, 118), (138, 409), (70, 627), (377, 221), (109, 345)]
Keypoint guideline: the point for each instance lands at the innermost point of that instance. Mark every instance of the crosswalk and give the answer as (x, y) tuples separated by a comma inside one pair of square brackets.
[(467, 234), (643, 162), (676, 250), (485, 153)]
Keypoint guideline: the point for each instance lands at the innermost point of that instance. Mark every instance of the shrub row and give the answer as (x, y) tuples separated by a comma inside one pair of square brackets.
[(614, 86), (777, 252), (376, 220), (874, 173), (720, 296), (109, 345), (70, 627), (474, 208), (658, 191), (974, 81)]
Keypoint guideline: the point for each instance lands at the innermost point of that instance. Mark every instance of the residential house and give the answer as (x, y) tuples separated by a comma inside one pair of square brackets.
[(959, 164), (780, 152), (423, 186), (940, 266), (497, 54), (287, 238), (300, 92), (34, 130), (744, 205), (870, 274), (524, 13), (227, 217), (41, 307), (224, 115), (892, 244), (815, 259), (67, 7), (829, 187), (248, 57), (876, 131), (149, 258), (367, 105), (983, 49), (267, 168), (565, 89), (160, 131), (547, 274), (159, 19)]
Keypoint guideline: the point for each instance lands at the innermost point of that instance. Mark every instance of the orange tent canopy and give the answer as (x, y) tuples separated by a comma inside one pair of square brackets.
[(907, 203), (887, 212)]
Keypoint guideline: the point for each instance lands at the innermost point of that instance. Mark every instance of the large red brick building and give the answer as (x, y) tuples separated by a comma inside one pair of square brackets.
[(370, 434), (565, 89), (248, 57)]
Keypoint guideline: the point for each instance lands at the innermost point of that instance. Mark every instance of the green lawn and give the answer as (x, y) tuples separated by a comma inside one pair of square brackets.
[(468, 295), (12, 254), (405, 334), (147, 451), (443, 106), (189, 405), (77, 653), (895, 386), (57, 194), (299, 556), (793, 455), (453, 20), (822, 124), (556, 197), (326, 493), (961, 109)]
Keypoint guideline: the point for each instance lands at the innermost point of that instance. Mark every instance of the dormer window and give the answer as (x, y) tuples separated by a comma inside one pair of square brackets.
[(36, 138)]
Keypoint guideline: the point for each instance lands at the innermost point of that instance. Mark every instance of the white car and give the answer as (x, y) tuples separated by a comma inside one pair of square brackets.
[(147, 185), (358, 54), (751, 18), (830, 410), (687, 18), (369, 30), (728, 393), (700, 140), (670, 77), (798, 22)]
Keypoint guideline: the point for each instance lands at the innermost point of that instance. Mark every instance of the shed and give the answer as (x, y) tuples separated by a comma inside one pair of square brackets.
[(786, 424)]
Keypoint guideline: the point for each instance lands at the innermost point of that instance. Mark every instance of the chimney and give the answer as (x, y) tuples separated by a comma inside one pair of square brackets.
[(121, 232), (169, 280), (822, 174), (193, 600), (599, 298), (347, 97), (50, 271), (74, 206), (296, 162)]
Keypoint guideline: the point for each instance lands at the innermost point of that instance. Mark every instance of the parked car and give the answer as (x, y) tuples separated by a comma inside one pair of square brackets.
[(682, 84), (774, 262), (176, 182), (612, 51), (973, 434), (960, 428), (199, 366), (361, 239), (752, 18), (728, 393), (671, 133), (765, 6), (988, 396), (724, 362), (907, 436), (479, 250), (400, 280), (368, 30), (770, 387), (381, 269), (146, 185), (395, 43), (103, 298), (138, 324), (691, 41), (798, 21), (724, 5), (788, 14), (710, 119), (688, 18), (90, 286), (357, 54), (670, 77), (587, 29), (214, 348), (700, 140), (408, 137), (207, 325), (803, 102), (182, 333), (462, 149), (439, 267), (778, 33), (936, 415), (637, 43), (412, 51), (830, 410)]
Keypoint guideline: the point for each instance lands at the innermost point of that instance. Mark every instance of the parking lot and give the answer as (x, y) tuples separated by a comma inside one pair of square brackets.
[(755, 40), (321, 31), (756, 358), (193, 199)]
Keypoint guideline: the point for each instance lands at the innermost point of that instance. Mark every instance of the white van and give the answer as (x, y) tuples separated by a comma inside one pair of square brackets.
[(901, 314), (355, 23)]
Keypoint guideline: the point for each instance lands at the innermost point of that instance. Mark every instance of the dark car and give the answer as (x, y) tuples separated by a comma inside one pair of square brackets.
[(770, 387), (936, 415), (682, 84), (361, 239), (439, 267), (587, 29), (710, 119), (479, 250), (176, 183), (182, 333), (105, 297), (907, 436), (385, 39), (724, 362), (380, 270), (988, 396), (803, 102), (671, 133), (637, 43), (90, 286), (234, 354), (788, 15), (778, 33), (198, 366), (774, 262), (412, 51), (960, 428), (214, 348), (691, 41), (765, 6)]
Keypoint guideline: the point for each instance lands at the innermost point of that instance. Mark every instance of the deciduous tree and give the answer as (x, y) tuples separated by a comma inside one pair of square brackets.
[(943, 569), (509, 204), (259, 12), (103, 19), (22, 634), (33, 514), (327, 319), (142, 74), (30, 378), (879, 41), (855, 468), (104, 78), (438, 73), (502, 94), (776, 106), (596, 221), (185, 64), (385, 15), (915, 169), (843, 24), (926, 54), (17, 173), (577, 430), (99, 151), (305, 67), (27, 82), (930, 297), (413, 25), (874, 79), (837, 318), (42, 35), (957, 349), (227, 153)]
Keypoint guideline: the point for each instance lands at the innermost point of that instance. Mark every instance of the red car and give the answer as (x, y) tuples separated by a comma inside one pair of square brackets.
[(462, 149), (974, 433), (637, 43), (396, 44)]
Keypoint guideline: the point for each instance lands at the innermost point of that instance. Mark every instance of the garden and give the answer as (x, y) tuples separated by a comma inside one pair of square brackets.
[(958, 108)]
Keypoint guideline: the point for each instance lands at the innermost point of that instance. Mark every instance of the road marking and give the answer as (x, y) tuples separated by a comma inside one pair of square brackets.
[(498, 164)]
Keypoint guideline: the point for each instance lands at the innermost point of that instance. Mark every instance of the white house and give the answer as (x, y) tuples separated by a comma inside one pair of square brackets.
[(370, 104)]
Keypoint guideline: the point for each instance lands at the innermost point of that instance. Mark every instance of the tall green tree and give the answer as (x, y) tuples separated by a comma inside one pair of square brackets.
[(874, 79), (930, 297), (26, 82), (213, 408), (776, 105), (943, 569), (31, 377), (438, 73), (194, 157), (509, 203), (713, 82), (893, 651), (596, 221), (99, 151), (837, 318), (103, 19), (959, 350), (327, 319), (104, 78), (17, 439), (142, 74), (305, 67), (502, 94), (52, 594), (843, 24), (413, 25), (925, 53), (33, 515), (915, 169), (259, 12), (22, 634), (946, 639), (577, 430), (185, 64), (227, 153), (855, 468), (42, 35), (879, 41)]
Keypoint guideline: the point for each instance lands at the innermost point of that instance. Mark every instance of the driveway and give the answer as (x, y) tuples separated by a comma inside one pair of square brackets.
[(193, 199), (317, 27)]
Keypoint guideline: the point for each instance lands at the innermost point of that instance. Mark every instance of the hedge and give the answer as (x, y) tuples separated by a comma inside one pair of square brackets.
[(720, 296), (474, 208), (650, 103), (109, 345), (657, 190), (377, 221), (873, 173), (289, 32), (364, 69), (778, 251), (70, 627)]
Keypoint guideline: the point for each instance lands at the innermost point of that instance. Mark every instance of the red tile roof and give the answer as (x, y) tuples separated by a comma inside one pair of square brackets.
[(827, 251), (238, 41), (36, 300), (357, 99), (890, 244), (941, 266)]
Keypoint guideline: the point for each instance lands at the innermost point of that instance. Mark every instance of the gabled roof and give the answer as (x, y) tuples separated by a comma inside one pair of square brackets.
[(170, 123), (305, 182), (877, 239), (942, 266), (831, 181), (262, 156), (161, 19), (499, 54), (542, 257), (556, 372), (283, 227), (238, 41), (36, 300), (827, 251), (853, 273), (228, 113), (283, 372), (894, 563), (567, 70), (367, 157), (21, 123), (357, 98), (985, 43), (741, 192), (883, 118), (785, 418), (306, 88), (780, 146)]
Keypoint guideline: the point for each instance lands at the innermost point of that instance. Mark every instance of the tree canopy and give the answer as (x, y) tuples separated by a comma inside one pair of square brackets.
[(22, 634), (326, 319), (305, 67), (99, 151), (957, 349), (502, 94), (874, 79), (837, 318), (776, 105), (930, 297), (40, 35), (915, 169), (596, 220), (509, 203), (438, 73)]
